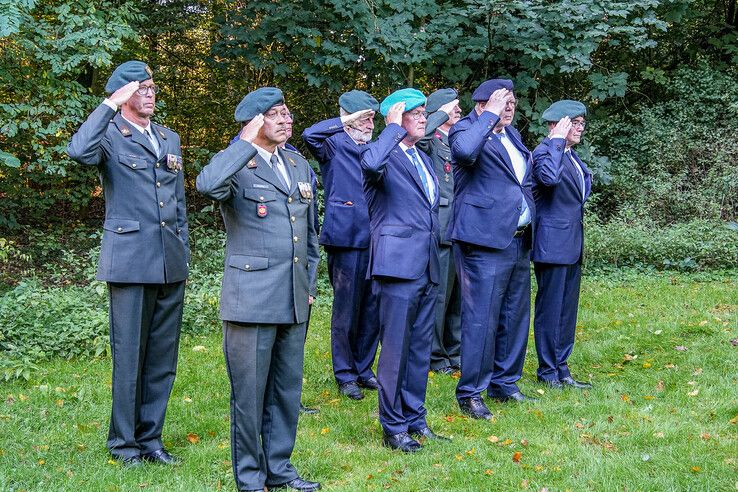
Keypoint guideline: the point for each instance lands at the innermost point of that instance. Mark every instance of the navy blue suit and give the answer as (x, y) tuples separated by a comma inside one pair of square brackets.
[(492, 264), (345, 237), (405, 269), (557, 252)]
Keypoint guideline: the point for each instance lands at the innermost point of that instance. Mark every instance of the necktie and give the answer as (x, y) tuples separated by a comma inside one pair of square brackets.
[(279, 171), (153, 141), (580, 173), (421, 172)]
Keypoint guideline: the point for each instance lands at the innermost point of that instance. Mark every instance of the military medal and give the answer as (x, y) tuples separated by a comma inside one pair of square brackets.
[(447, 167), (125, 131), (251, 164), (261, 210), (292, 161), (306, 191), (174, 162)]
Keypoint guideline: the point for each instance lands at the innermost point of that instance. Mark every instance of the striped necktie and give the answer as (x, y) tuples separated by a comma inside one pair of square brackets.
[(421, 172)]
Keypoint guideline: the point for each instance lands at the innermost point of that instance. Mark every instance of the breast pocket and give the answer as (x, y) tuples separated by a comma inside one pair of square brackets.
[(133, 162)]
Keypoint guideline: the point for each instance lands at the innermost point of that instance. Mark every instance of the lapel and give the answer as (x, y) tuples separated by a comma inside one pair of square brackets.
[(410, 168), (587, 174), (128, 131), (161, 136), (429, 166), (527, 157), (264, 171), (291, 167), (502, 151)]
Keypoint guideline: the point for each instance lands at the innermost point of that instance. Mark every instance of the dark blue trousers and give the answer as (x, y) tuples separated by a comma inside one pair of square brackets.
[(145, 322), (495, 316), (447, 333), (406, 313), (555, 321), (354, 321)]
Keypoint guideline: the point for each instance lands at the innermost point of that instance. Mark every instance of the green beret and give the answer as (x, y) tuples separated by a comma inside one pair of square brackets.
[(487, 87), (258, 102), (411, 97), (439, 98), (562, 108), (132, 70), (353, 101)]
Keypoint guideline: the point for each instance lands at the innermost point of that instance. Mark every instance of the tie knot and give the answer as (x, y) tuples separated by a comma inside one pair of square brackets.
[(500, 135), (411, 151), (274, 159)]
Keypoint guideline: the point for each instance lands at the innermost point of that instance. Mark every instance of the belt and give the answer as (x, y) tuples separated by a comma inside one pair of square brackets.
[(521, 230)]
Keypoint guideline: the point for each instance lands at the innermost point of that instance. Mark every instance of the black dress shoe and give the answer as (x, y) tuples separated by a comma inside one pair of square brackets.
[(308, 410), (160, 456), (297, 484), (475, 408), (370, 384), (130, 462), (426, 433), (570, 381), (517, 396), (551, 383), (351, 389), (401, 441)]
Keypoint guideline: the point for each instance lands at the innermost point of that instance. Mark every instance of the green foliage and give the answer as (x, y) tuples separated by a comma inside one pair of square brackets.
[(691, 246)]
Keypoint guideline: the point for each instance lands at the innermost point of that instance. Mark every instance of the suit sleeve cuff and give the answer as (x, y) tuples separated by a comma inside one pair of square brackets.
[(110, 104)]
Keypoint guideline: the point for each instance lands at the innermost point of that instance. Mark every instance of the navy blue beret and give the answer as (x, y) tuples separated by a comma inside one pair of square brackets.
[(565, 107), (439, 98), (132, 70), (412, 98), (258, 102), (355, 100), (486, 88)]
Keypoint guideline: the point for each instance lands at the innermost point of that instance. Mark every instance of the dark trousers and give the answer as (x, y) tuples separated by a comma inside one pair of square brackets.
[(354, 320), (406, 313), (446, 347), (555, 321), (265, 369), (145, 322), (495, 316)]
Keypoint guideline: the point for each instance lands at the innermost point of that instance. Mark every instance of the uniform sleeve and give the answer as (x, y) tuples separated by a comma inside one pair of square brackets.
[(547, 161), (184, 230), (89, 145), (216, 179), (375, 156), (467, 138), (317, 139)]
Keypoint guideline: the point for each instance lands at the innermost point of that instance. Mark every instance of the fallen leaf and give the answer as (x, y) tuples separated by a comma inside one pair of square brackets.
[(610, 418), (645, 457), (694, 393), (734, 420), (696, 469), (187, 399), (524, 442), (199, 348), (625, 397), (449, 418), (697, 371), (657, 332), (680, 348), (660, 386), (658, 435), (22, 397), (579, 425), (506, 442), (459, 457), (524, 484), (540, 391), (669, 366), (493, 439), (59, 403), (648, 397), (193, 438), (703, 322), (41, 462), (691, 383), (517, 455), (471, 451), (488, 472), (112, 462), (538, 468), (646, 365), (705, 436), (324, 431), (629, 357)]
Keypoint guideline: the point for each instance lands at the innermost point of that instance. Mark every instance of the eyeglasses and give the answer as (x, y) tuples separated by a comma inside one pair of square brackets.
[(417, 114), (144, 89), (274, 114), (579, 124)]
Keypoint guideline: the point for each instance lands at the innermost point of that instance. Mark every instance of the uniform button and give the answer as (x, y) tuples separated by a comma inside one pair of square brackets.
[(161, 204), (133, 165), (247, 267), (158, 184), (261, 198), (297, 259), (120, 229), (163, 223), (158, 165), (295, 238), (293, 218), (289, 199)]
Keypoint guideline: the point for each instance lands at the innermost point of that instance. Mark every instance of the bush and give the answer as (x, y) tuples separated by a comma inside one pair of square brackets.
[(695, 245)]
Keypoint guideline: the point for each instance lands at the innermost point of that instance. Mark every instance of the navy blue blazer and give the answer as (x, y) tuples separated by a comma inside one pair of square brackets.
[(559, 235), (487, 195), (403, 223), (346, 215)]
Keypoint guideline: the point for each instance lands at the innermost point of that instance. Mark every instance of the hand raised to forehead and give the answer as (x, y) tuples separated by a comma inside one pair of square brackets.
[(561, 130), (498, 100), (449, 107), (123, 94), (251, 130), (394, 115), (352, 118)]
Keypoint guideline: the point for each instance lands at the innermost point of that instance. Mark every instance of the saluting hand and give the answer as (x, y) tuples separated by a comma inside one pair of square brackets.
[(449, 108), (352, 118), (394, 115), (251, 130), (124, 93), (497, 101), (561, 130)]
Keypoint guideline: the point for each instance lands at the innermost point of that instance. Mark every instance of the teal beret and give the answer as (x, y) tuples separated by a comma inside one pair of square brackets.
[(353, 101), (132, 70), (487, 87), (565, 107), (258, 102), (411, 97), (439, 98)]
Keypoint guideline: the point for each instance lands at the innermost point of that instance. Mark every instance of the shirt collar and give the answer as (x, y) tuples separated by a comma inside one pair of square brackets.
[(405, 147), (265, 154), (139, 127)]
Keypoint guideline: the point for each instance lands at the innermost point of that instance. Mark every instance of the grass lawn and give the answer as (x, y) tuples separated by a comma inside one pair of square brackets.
[(663, 414)]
